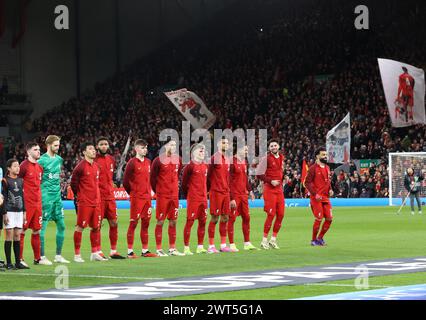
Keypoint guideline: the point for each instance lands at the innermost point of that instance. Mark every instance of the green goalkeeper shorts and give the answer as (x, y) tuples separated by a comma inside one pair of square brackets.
[(53, 211)]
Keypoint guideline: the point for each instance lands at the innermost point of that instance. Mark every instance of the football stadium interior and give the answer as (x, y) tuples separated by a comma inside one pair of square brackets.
[(336, 87)]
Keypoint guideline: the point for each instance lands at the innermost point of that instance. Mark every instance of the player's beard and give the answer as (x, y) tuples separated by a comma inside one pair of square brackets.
[(323, 160), (103, 153)]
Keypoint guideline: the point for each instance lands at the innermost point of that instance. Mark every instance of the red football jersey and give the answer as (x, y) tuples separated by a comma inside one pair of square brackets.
[(239, 181), (85, 183), (106, 165), (218, 174), (165, 176), (318, 180), (274, 171), (194, 181), (136, 179), (406, 85), (31, 173)]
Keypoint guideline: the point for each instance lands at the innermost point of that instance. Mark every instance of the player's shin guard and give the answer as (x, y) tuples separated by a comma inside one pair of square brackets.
[(8, 251), (325, 228), (223, 231), (94, 240), (42, 235), (277, 224), (268, 224), (315, 229), (113, 237), (187, 232), (144, 233), (212, 229), (246, 228), (201, 231), (230, 228), (172, 236), (21, 245), (77, 242), (131, 234), (159, 236), (16, 251), (60, 236), (35, 244), (98, 246)]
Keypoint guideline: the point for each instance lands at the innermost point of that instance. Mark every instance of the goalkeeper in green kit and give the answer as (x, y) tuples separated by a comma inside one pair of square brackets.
[(52, 163)]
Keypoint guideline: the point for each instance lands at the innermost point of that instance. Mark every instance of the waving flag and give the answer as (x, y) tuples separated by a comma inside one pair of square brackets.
[(404, 87), (338, 142), (123, 158), (192, 108)]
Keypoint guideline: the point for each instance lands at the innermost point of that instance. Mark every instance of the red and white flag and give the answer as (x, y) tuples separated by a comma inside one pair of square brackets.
[(404, 87), (192, 108)]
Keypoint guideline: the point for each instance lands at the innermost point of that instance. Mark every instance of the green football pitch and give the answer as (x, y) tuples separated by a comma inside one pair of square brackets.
[(357, 234)]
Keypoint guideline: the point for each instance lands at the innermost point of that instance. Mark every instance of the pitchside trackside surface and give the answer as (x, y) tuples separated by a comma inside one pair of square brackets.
[(357, 234)]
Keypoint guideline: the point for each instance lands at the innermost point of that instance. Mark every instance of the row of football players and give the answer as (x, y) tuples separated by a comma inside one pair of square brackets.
[(92, 183)]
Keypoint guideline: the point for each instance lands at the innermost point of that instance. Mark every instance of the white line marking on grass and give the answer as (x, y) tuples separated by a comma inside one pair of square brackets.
[(341, 285), (81, 276)]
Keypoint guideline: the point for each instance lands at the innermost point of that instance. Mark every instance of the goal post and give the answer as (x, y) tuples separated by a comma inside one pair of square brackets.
[(399, 162)]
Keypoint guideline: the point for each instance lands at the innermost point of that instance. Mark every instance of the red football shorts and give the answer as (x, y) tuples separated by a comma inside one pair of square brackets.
[(34, 218), (321, 209), (89, 216), (196, 210), (140, 209), (219, 204), (274, 203), (108, 210), (242, 208), (167, 209)]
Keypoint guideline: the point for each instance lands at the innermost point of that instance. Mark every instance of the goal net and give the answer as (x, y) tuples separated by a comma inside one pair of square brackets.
[(399, 162)]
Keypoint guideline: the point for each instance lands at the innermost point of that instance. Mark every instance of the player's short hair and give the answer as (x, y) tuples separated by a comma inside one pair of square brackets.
[(84, 145), (273, 140), (140, 142), (197, 146), (319, 150), (10, 162), (405, 69), (31, 145), (51, 138), (102, 138)]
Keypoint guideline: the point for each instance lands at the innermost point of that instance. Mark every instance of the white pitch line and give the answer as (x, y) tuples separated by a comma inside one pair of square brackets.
[(81, 276), (342, 285)]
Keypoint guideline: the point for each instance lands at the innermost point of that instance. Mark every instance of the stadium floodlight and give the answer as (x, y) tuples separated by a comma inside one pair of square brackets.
[(399, 162)]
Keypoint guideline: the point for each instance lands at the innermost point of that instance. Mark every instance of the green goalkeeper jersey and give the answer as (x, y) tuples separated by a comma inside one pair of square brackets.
[(51, 179)]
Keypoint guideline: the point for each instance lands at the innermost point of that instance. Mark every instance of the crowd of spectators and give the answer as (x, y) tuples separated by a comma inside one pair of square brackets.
[(297, 75)]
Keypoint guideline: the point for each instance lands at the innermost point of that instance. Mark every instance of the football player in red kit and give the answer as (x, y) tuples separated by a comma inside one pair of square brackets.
[(194, 186), (271, 173), (136, 181), (31, 172), (85, 185), (165, 170), (240, 189), (319, 186), (218, 186), (106, 165), (405, 94)]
